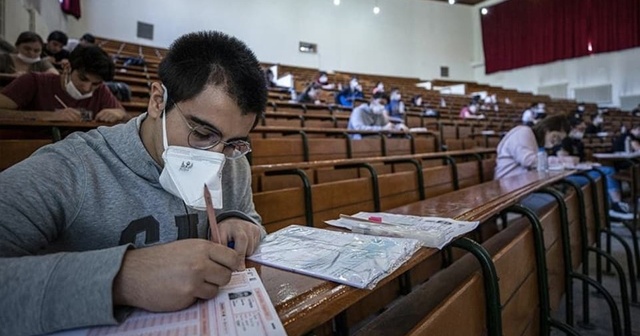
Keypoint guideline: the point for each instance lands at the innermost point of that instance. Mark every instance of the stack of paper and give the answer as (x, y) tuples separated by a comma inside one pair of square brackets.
[(352, 259)]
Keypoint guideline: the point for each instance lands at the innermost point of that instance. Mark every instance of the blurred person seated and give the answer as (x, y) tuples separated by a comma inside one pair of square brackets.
[(27, 59), (310, 95), (572, 147), (323, 81), (80, 87), (595, 126), (533, 114), (379, 88), (372, 117), (350, 94), (471, 112), (517, 152), (395, 107), (85, 40), (54, 49)]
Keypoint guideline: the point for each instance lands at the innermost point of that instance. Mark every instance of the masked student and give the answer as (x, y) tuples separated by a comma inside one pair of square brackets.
[(395, 107), (350, 94), (534, 114), (322, 80), (372, 117), (573, 147), (517, 152), (54, 50), (114, 217), (27, 59), (79, 87), (471, 112)]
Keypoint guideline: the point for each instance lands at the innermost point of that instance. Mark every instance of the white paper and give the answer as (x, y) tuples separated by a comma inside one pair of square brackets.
[(348, 258), (433, 232), (242, 307)]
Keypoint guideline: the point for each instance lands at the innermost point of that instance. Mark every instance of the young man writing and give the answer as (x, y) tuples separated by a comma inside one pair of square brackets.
[(114, 217), (79, 87)]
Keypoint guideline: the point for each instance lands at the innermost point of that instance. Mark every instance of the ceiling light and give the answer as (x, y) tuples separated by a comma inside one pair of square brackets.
[(336, 2), (376, 10), (452, 2), (484, 11)]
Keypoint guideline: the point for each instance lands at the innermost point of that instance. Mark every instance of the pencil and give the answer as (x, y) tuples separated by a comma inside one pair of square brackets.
[(60, 101)]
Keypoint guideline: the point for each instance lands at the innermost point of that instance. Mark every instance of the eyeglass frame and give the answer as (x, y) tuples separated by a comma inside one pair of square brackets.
[(192, 129)]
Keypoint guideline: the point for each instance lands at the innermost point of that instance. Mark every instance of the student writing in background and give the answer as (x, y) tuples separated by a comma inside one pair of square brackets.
[(115, 218), (79, 87), (27, 58)]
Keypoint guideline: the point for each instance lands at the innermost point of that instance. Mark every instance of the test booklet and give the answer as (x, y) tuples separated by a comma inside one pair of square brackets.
[(352, 259), (242, 307), (435, 232)]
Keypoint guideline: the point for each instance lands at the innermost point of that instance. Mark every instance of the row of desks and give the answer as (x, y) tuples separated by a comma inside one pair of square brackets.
[(304, 303)]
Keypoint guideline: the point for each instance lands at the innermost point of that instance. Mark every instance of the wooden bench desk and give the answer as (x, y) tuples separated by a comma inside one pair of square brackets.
[(304, 303)]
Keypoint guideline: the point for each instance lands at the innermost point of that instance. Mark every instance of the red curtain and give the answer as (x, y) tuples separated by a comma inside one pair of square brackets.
[(71, 7), (520, 33)]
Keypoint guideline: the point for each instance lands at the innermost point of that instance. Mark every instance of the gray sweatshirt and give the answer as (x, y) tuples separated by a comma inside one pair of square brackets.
[(69, 213)]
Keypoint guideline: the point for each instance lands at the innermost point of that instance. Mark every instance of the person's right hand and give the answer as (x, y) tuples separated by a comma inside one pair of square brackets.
[(173, 276), (68, 114)]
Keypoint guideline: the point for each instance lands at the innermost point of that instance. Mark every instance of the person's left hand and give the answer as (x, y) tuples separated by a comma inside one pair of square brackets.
[(244, 234), (111, 115)]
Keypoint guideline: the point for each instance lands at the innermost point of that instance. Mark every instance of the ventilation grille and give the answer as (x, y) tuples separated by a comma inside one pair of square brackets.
[(145, 30), (594, 94), (554, 91), (628, 103), (444, 71)]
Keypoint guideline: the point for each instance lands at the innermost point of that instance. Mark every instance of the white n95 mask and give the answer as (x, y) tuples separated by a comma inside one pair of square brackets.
[(186, 171)]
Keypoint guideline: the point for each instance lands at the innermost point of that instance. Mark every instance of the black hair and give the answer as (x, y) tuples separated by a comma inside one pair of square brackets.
[(59, 36), (93, 60), (89, 38), (394, 89), (28, 37), (558, 123), (322, 73), (203, 58), (534, 104)]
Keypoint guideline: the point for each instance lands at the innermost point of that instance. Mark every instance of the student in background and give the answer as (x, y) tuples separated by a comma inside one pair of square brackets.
[(27, 59), (372, 117), (310, 95), (350, 94), (113, 218), (54, 49), (322, 80), (395, 107), (79, 87), (416, 101), (631, 136), (595, 126), (518, 149), (379, 88), (471, 112), (572, 146), (529, 115), (86, 40)]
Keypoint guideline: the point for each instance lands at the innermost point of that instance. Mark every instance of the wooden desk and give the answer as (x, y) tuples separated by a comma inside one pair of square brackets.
[(304, 303)]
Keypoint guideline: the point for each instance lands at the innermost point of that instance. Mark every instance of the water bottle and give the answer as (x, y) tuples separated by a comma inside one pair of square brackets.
[(542, 160), (627, 144)]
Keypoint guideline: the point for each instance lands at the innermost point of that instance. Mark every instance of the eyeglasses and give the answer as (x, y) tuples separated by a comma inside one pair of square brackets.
[(204, 137)]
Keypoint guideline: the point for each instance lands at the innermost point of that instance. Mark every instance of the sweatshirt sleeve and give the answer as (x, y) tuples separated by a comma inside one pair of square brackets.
[(41, 293), (356, 121), (523, 148)]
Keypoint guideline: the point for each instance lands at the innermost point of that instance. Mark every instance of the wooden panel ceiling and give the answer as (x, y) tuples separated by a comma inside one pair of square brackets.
[(464, 2)]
